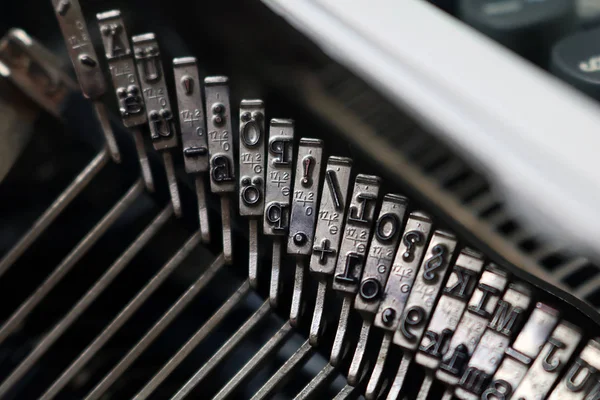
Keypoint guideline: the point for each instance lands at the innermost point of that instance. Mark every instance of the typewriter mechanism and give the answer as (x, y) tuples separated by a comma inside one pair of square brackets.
[(186, 221)]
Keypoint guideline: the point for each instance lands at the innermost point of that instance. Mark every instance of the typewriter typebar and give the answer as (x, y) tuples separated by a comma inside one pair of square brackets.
[(397, 303), (86, 64), (421, 302), (80, 47), (252, 175), (279, 177), (122, 68), (220, 135), (450, 307), (305, 197), (357, 233), (472, 324), (424, 293), (328, 233), (154, 88), (252, 158), (382, 249), (523, 351), (547, 367), (191, 115), (126, 83), (158, 107), (220, 146), (504, 325), (581, 379), (192, 125), (331, 216), (276, 217), (404, 271), (303, 214)]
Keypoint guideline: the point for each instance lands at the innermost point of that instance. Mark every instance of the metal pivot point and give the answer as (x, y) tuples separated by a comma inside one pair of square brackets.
[(304, 214), (328, 233), (276, 220), (252, 175), (192, 124), (86, 65), (126, 83), (353, 251), (422, 299), (381, 253), (158, 107), (220, 147)]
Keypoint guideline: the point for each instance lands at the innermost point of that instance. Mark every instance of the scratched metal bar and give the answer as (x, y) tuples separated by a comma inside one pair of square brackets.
[(59, 205), (82, 305), (123, 316), (70, 261)]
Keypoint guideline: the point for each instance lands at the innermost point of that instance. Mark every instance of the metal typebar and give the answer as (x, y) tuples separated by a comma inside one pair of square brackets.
[(136, 351), (191, 344), (85, 63), (59, 205), (123, 316), (283, 373), (238, 336), (92, 294), (325, 375), (347, 392), (273, 344), (70, 260)]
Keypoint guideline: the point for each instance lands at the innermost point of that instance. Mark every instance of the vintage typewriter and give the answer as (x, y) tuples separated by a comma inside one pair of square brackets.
[(299, 199)]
